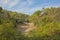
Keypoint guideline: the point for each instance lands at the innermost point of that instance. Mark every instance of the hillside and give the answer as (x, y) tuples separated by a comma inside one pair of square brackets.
[(47, 22), (41, 25), (9, 22)]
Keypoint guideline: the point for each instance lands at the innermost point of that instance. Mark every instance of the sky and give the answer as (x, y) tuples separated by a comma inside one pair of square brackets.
[(28, 6)]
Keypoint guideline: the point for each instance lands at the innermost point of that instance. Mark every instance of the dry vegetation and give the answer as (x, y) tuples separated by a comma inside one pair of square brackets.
[(41, 25)]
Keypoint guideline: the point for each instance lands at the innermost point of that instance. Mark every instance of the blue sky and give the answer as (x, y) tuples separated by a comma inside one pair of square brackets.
[(28, 6)]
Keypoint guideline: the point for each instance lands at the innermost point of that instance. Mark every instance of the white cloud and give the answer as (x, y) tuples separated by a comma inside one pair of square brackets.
[(24, 5), (3, 1), (28, 10), (30, 2), (13, 3), (8, 3)]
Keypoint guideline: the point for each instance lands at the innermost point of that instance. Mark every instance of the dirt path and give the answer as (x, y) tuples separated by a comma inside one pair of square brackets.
[(26, 27)]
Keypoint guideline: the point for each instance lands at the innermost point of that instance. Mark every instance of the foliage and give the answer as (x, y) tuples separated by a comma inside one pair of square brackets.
[(47, 24), (8, 24)]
